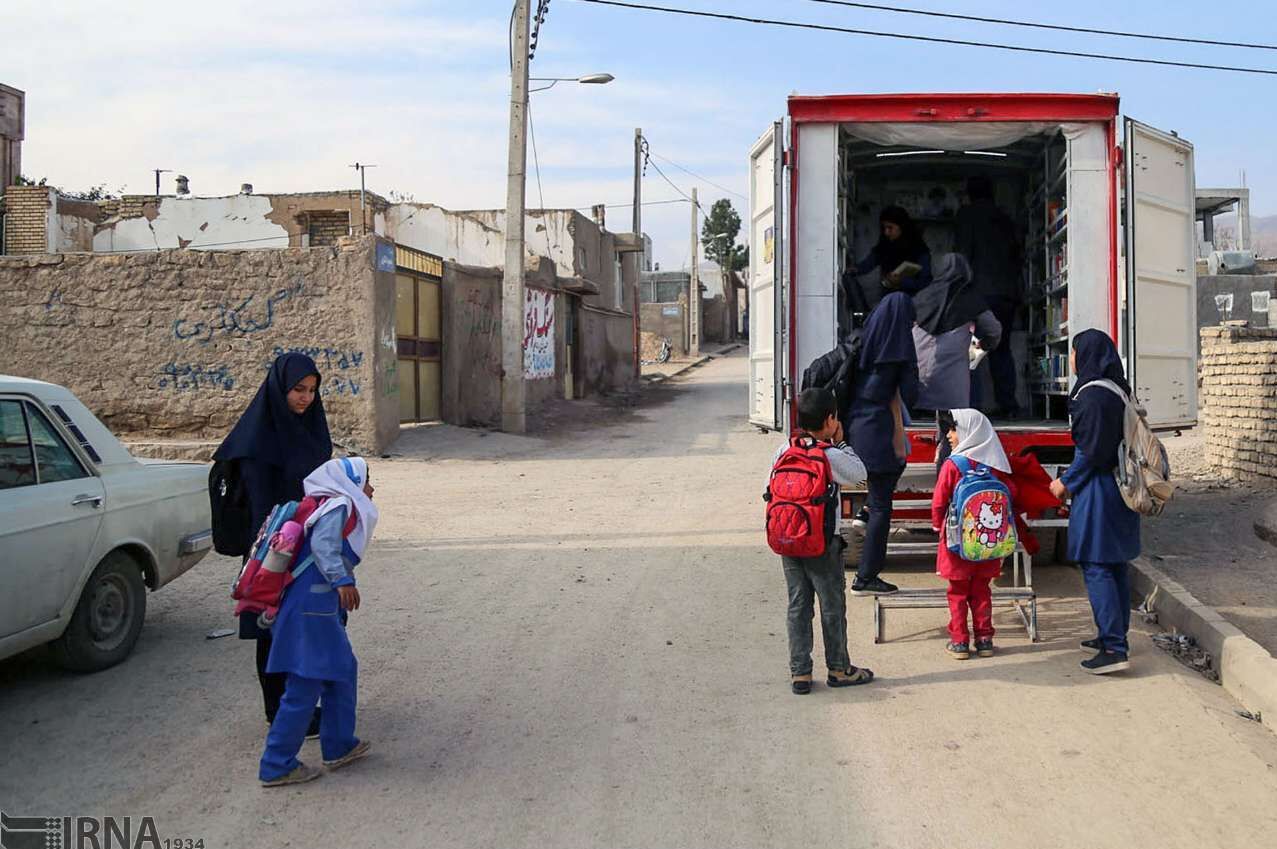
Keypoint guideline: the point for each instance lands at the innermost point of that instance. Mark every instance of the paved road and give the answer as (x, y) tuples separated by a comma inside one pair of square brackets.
[(578, 641)]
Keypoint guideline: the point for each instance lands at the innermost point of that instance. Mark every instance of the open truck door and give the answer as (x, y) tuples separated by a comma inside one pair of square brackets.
[(1161, 274), (766, 280)]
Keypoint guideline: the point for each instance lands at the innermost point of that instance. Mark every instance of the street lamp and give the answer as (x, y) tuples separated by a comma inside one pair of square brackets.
[(513, 388), (588, 79)]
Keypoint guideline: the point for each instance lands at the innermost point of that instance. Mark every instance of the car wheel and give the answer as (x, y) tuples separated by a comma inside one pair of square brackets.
[(107, 619)]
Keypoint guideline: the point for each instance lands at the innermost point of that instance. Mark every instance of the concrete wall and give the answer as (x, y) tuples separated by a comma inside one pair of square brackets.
[(144, 222), (173, 344), (471, 369), (606, 340), (1238, 287), (471, 366), (1238, 395), (576, 246)]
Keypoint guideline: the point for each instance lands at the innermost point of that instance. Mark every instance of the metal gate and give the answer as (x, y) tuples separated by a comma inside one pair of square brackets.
[(419, 333)]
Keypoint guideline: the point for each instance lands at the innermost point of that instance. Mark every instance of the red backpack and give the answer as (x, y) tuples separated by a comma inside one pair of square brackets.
[(801, 489)]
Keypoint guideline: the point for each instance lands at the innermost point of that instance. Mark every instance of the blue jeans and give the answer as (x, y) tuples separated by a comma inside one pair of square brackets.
[(288, 731), (808, 578), (873, 553), (1109, 588)]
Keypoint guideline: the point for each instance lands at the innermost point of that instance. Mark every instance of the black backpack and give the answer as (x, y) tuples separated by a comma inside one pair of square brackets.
[(836, 371), (231, 512)]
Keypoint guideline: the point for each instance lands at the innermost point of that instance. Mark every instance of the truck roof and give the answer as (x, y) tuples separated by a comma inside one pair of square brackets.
[(924, 107)]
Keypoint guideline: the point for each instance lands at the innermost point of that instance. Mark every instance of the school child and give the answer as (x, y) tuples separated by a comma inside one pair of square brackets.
[(1104, 534), (975, 451), (818, 452), (309, 642)]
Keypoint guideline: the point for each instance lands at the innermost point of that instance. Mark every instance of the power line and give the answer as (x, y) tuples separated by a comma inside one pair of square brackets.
[(671, 182), (691, 173), (928, 39), (1038, 25), (536, 162)]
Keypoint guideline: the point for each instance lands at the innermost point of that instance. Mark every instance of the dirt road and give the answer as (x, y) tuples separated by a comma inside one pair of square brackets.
[(578, 641)]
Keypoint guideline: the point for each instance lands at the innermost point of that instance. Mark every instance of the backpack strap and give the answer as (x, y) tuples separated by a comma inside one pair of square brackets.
[(1110, 386), (962, 461), (346, 531)]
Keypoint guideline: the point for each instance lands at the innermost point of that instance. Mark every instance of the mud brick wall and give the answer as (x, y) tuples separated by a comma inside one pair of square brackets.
[(173, 344), (1239, 400)]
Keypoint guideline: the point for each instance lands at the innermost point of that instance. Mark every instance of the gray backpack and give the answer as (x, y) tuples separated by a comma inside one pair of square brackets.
[(1143, 472)]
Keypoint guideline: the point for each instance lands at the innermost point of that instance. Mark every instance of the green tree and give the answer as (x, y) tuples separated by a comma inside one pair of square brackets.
[(718, 236)]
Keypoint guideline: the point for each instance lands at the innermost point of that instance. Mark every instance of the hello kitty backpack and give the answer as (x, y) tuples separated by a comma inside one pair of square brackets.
[(981, 523)]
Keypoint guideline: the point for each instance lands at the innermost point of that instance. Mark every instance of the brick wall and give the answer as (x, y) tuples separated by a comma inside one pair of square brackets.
[(325, 228), (26, 219), (1238, 397)]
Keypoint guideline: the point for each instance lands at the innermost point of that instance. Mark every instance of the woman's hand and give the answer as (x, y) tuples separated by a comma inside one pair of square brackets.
[(349, 597), (901, 445), (1059, 490)]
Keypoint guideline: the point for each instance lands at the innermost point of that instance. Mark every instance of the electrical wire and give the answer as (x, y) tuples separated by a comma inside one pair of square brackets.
[(674, 185), (1038, 25), (691, 173), (536, 164), (927, 38)]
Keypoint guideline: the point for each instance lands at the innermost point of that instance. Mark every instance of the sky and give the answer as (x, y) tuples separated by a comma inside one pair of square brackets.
[(286, 94)]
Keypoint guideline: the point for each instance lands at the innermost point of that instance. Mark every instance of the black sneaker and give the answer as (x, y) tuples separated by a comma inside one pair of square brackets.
[(800, 684), (1105, 662), (861, 521), (958, 651), (984, 648), (1092, 644), (874, 586)]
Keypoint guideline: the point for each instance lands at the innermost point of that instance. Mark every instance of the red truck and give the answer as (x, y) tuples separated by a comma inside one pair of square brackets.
[(1108, 228)]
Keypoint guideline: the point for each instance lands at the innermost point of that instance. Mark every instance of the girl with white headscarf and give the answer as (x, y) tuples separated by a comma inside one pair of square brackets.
[(970, 435), (310, 643)]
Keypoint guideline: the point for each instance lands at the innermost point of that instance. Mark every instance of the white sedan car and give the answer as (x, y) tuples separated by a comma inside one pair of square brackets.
[(85, 528)]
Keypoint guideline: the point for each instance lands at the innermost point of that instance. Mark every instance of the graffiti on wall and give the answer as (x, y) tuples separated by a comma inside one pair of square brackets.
[(249, 316), (182, 377), (327, 359), (483, 325), (538, 334)]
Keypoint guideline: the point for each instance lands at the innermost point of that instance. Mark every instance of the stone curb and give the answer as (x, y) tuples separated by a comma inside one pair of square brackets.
[(704, 358), (660, 378), (1246, 670)]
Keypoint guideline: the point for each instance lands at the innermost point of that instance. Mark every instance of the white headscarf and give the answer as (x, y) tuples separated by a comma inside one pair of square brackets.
[(977, 440), (342, 481)]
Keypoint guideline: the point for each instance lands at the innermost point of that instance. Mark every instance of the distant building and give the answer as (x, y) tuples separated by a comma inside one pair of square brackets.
[(12, 131), (438, 272)]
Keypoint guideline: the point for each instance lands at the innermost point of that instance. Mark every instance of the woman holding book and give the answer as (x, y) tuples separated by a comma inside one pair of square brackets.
[(901, 256)]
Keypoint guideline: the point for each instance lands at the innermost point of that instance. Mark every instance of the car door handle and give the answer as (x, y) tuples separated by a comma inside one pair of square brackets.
[(95, 500)]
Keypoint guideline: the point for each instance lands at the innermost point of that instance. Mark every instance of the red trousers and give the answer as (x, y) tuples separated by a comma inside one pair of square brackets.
[(972, 593)]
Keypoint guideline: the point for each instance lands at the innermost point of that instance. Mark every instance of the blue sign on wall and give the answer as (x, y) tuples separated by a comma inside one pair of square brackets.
[(385, 256)]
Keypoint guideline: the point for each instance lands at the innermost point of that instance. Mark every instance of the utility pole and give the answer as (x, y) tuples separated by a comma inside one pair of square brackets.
[(638, 234), (694, 290), (363, 217), (513, 388)]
